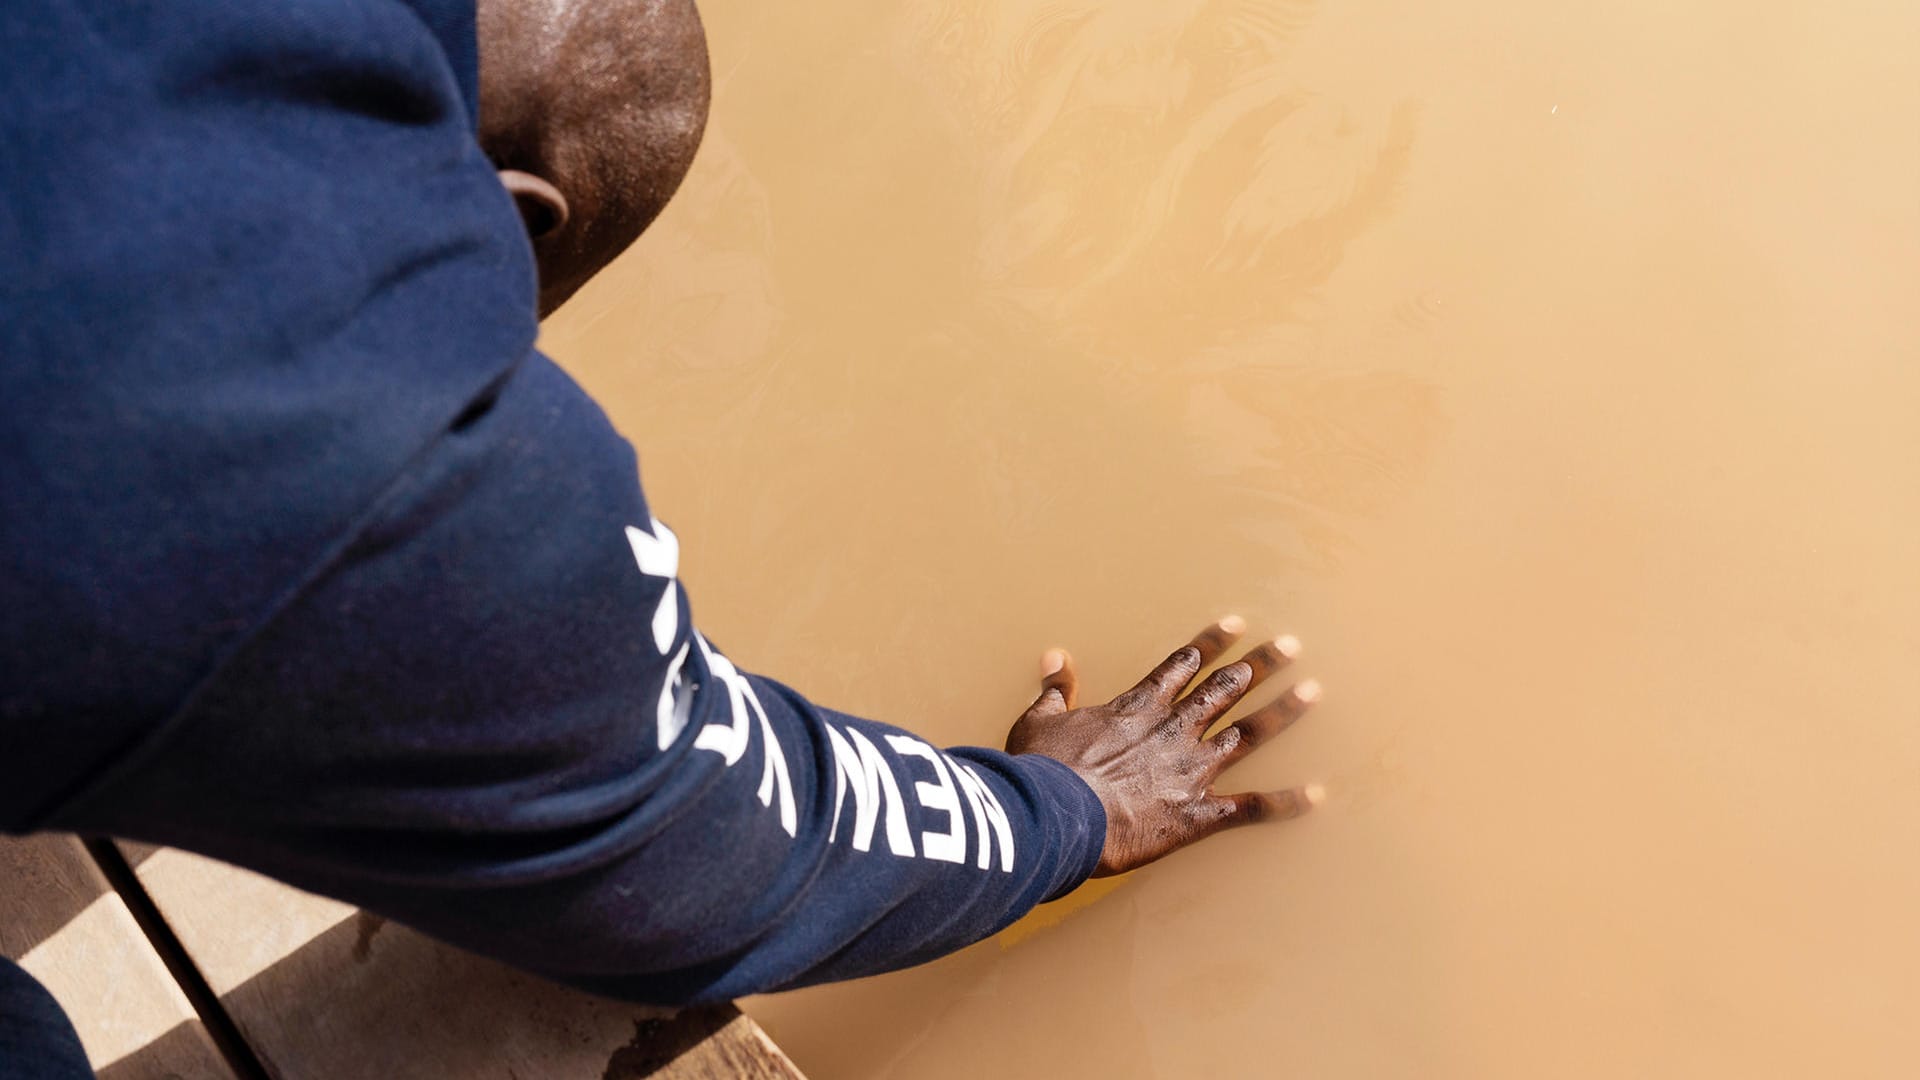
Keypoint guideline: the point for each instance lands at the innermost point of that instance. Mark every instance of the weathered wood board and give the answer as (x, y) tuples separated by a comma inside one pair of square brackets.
[(62, 922), (323, 991)]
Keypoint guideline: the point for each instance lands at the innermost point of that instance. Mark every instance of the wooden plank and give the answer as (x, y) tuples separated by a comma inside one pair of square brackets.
[(64, 924), (323, 991)]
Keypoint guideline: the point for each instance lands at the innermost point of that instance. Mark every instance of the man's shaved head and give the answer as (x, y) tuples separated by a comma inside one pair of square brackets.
[(592, 110)]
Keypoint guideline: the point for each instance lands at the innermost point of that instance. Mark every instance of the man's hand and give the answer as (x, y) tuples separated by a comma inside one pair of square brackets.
[(1145, 752)]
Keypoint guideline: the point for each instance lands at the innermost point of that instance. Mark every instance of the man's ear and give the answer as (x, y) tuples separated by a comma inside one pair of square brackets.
[(542, 207)]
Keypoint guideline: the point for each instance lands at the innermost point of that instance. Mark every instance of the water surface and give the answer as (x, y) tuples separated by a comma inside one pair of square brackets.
[(1553, 372)]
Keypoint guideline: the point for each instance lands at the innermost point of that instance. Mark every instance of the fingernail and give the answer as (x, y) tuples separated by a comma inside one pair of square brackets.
[(1233, 624), (1307, 691), (1315, 794), (1052, 661), (1288, 645)]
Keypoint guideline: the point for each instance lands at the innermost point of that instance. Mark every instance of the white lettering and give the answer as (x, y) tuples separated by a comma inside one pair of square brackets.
[(858, 764), (951, 845), (676, 701), (773, 774), (986, 809), (659, 556), (846, 764), (729, 741)]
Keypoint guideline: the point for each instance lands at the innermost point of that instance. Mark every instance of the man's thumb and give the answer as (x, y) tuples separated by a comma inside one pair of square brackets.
[(1059, 685)]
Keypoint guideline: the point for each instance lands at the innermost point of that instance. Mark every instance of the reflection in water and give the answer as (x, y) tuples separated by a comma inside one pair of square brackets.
[(1165, 162), (1551, 377), (1125, 211)]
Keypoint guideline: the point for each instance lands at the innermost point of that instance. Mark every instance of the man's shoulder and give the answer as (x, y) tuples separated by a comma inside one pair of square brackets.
[(254, 262)]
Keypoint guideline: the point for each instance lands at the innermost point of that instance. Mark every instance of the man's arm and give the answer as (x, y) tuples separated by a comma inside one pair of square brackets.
[(289, 587), (491, 716)]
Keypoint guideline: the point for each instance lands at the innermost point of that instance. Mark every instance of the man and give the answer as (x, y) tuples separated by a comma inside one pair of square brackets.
[(311, 563)]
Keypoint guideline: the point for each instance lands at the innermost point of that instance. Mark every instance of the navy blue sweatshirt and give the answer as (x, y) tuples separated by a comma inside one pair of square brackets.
[(309, 561)]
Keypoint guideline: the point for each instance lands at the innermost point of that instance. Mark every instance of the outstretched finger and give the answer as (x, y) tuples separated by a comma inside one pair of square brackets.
[(1165, 682), (1239, 738), (1257, 807), (1270, 656), (1223, 689), (1059, 684)]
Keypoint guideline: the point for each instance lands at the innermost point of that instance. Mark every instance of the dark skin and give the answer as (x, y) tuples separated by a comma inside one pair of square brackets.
[(1146, 753), (591, 110)]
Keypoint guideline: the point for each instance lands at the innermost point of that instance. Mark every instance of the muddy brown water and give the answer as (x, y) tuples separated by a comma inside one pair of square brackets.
[(1550, 370)]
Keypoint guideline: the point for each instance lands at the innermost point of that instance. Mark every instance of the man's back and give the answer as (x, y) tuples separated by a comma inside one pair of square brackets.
[(254, 262)]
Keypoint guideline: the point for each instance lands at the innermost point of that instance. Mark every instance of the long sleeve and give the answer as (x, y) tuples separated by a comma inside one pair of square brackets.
[(310, 562), (492, 716)]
